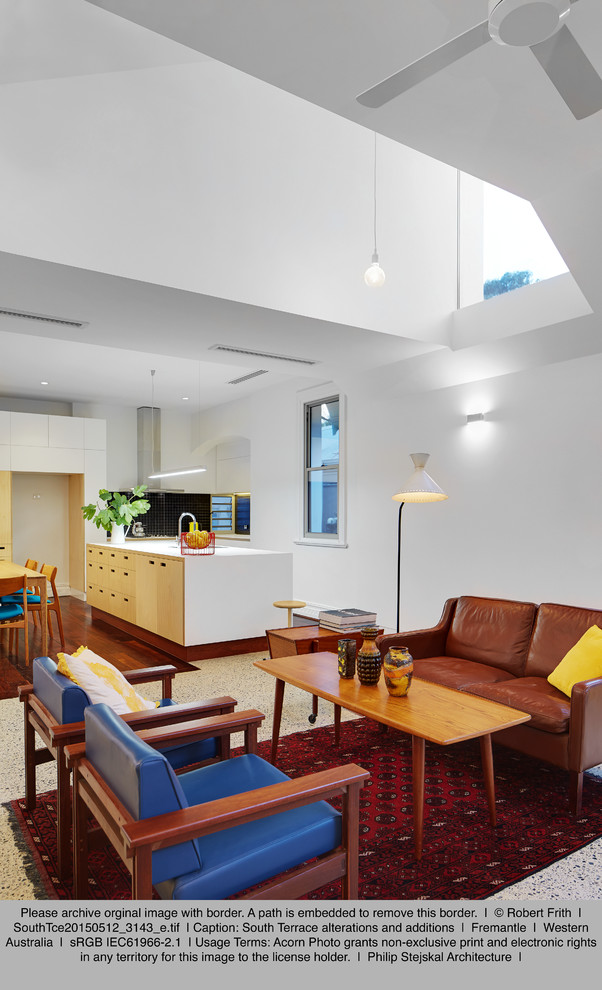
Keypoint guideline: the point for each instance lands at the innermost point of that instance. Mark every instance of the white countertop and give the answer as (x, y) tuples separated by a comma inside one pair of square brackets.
[(168, 548)]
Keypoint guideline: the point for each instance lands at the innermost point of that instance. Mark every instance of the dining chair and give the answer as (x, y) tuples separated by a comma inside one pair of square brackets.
[(33, 566), (216, 831), (13, 611), (53, 603)]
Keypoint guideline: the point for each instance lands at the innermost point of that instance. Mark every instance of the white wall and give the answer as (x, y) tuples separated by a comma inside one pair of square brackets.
[(254, 195), (40, 511), (522, 519)]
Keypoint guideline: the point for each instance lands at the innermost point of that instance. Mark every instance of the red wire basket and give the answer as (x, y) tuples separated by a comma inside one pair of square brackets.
[(194, 543)]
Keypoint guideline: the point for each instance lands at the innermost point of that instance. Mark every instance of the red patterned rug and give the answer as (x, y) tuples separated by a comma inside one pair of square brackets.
[(463, 858)]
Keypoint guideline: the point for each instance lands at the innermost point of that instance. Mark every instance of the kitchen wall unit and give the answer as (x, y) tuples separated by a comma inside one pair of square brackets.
[(191, 606), (39, 444)]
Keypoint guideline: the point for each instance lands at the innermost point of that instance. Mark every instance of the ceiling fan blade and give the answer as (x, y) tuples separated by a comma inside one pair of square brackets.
[(571, 72), (424, 67)]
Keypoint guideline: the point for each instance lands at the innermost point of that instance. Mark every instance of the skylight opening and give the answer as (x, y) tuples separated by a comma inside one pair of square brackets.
[(517, 249)]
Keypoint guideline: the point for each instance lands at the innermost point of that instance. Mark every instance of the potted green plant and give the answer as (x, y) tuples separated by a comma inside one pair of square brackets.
[(117, 512)]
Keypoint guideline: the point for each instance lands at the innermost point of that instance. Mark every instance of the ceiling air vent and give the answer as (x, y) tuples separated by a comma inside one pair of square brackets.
[(245, 378), (20, 314), (260, 354)]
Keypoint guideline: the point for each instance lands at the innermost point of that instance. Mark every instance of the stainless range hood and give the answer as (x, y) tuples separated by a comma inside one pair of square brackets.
[(149, 446)]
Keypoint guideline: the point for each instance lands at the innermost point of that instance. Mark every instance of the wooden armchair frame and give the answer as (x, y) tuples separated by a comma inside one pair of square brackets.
[(56, 736), (135, 841)]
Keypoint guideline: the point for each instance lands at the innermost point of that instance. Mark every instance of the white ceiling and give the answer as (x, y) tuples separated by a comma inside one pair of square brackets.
[(494, 115)]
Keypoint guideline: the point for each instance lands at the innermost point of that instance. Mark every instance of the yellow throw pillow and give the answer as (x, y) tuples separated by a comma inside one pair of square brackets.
[(581, 663), (101, 681)]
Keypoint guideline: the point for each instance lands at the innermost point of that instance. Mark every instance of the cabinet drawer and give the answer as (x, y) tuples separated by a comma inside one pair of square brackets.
[(123, 606), (126, 581), (92, 553), (6, 551), (91, 571), (123, 558), (120, 579), (94, 596)]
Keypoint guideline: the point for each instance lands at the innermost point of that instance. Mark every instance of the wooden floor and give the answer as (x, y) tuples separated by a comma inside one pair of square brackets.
[(119, 648)]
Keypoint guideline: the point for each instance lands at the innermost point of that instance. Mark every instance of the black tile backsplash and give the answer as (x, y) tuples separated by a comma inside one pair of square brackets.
[(166, 508)]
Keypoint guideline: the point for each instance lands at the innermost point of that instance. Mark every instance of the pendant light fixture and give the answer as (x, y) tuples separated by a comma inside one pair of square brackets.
[(374, 276)]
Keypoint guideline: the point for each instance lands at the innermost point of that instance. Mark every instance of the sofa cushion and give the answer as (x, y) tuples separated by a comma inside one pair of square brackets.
[(549, 709), (456, 673), (582, 663), (557, 629), (491, 631)]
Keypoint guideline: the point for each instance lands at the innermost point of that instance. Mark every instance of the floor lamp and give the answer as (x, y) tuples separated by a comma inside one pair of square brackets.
[(419, 487)]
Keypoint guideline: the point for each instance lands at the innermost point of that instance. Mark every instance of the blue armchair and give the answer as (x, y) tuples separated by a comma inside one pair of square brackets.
[(215, 831), (54, 710)]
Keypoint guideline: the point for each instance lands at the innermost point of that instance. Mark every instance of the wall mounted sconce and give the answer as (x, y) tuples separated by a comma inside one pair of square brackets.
[(475, 418)]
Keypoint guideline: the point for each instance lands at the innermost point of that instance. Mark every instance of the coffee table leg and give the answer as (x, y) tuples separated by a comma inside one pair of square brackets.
[(418, 792), (337, 725), (278, 698), (487, 761)]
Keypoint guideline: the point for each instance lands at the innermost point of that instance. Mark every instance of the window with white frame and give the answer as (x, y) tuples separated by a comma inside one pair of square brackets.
[(321, 473)]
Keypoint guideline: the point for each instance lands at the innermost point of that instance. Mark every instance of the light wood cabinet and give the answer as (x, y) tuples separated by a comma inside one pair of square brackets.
[(170, 600), (160, 596), (146, 590), (111, 581)]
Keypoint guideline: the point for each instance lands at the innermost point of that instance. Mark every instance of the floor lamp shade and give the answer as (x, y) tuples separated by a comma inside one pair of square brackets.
[(419, 487)]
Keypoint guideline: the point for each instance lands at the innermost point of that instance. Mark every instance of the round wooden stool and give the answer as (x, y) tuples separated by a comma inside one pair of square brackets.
[(290, 606)]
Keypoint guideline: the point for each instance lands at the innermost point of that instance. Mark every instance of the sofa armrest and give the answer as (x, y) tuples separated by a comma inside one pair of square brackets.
[(585, 732), (422, 642)]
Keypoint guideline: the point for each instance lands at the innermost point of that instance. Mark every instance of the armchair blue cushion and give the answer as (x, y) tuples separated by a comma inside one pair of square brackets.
[(223, 863), (67, 702)]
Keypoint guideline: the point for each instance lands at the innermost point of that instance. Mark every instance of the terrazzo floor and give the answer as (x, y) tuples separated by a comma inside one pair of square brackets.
[(577, 877)]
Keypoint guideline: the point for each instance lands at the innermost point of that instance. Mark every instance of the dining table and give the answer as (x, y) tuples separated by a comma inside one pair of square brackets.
[(33, 580)]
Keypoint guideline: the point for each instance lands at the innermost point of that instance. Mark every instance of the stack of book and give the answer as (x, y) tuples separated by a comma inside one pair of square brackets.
[(345, 620)]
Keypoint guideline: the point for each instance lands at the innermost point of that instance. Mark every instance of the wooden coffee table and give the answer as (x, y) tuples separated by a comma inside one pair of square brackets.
[(429, 712)]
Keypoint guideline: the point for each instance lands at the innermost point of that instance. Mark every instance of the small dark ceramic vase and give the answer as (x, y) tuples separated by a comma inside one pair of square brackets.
[(346, 650), (369, 661), (398, 666)]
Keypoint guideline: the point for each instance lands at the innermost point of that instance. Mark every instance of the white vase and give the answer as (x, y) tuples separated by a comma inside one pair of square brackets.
[(117, 533)]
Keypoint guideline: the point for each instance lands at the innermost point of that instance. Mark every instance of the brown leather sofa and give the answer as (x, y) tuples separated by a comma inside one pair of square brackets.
[(504, 650)]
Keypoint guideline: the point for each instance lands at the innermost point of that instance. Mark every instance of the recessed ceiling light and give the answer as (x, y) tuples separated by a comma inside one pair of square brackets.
[(43, 383), (184, 398)]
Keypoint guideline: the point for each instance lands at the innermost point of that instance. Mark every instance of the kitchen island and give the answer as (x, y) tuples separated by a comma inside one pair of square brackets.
[(190, 606)]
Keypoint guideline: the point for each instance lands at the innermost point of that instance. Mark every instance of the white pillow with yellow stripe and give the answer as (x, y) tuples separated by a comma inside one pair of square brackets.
[(101, 681)]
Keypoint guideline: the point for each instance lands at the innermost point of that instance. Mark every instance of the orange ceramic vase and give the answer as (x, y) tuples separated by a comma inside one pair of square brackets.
[(399, 667)]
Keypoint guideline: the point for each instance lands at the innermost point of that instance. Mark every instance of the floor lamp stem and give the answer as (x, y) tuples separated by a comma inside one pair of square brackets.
[(401, 505)]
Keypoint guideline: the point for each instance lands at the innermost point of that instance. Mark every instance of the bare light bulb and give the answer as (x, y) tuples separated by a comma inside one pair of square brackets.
[(374, 275)]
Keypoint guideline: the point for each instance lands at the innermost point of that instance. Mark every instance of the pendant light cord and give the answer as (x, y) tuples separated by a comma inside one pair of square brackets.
[(375, 250), (153, 421)]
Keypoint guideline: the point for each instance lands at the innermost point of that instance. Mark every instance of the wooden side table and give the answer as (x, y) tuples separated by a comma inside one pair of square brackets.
[(296, 641)]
